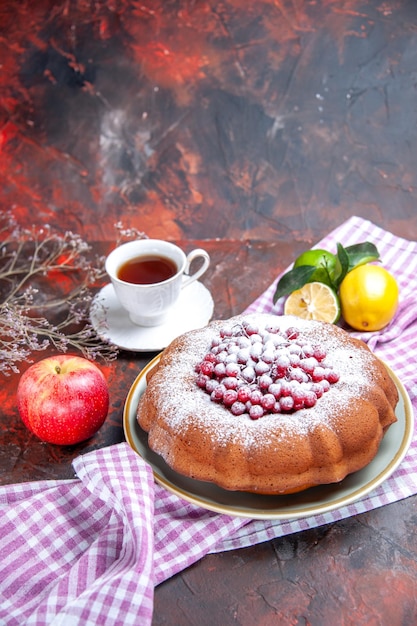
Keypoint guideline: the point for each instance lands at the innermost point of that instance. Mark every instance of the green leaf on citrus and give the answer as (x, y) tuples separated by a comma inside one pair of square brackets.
[(292, 280), (361, 253), (343, 257)]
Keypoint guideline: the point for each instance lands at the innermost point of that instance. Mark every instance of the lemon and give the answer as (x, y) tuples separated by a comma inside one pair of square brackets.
[(327, 264), (314, 301), (368, 297)]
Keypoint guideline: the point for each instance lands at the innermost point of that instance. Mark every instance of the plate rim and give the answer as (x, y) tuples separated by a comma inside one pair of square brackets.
[(129, 414)]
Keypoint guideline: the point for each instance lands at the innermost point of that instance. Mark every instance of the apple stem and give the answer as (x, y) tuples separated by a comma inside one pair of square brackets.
[(57, 369)]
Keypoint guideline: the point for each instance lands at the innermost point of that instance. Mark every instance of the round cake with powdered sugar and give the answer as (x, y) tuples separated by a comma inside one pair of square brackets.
[(267, 404)]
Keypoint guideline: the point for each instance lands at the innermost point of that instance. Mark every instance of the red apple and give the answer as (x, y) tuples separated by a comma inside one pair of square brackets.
[(63, 399)]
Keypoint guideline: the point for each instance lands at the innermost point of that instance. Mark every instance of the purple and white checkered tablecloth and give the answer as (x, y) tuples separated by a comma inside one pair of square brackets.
[(91, 550)]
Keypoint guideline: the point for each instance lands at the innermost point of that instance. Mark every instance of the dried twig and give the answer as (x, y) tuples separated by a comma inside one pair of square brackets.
[(30, 261)]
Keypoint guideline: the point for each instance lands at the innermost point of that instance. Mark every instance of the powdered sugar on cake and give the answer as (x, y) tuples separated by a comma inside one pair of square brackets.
[(184, 403), (276, 448)]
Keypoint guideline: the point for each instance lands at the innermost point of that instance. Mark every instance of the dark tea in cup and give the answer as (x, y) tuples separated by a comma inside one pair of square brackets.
[(147, 270), (148, 276)]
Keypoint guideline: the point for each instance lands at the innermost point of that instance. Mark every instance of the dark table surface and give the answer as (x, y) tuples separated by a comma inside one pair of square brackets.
[(248, 128)]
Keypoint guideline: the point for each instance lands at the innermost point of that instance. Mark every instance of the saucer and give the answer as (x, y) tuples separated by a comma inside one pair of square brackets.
[(192, 310)]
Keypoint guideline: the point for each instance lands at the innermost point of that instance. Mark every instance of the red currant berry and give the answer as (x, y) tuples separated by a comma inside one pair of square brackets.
[(211, 385), (325, 385), (238, 408), (255, 396), (268, 402), (287, 403), (310, 399), (256, 412), (262, 368), (275, 389), (251, 329), (232, 369), (332, 376), (243, 393), (207, 368), (201, 380), (318, 374), (220, 370), (248, 374), (229, 397), (264, 382), (230, 382)]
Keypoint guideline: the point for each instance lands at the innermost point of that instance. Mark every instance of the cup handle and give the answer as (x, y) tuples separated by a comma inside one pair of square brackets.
[(195, 254)]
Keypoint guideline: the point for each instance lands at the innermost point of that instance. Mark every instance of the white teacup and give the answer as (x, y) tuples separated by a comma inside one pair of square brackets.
[(148, 276)]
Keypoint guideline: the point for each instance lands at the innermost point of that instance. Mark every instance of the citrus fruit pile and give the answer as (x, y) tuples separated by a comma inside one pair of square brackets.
[(325, 286)]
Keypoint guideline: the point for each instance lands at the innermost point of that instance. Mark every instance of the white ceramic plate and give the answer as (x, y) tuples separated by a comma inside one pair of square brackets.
[(314, 501), (111, 321)]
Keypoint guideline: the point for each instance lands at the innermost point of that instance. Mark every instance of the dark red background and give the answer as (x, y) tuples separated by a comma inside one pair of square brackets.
[(251, 129)]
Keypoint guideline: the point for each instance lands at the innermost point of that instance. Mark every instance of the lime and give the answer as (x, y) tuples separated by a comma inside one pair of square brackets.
[(314, 301), (327, 264), (369, 297)]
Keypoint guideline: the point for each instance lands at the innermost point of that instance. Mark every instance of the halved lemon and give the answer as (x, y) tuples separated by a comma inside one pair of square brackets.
[(314, 301)]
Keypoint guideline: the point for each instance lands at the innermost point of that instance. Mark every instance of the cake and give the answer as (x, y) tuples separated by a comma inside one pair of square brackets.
[(267, 404)]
